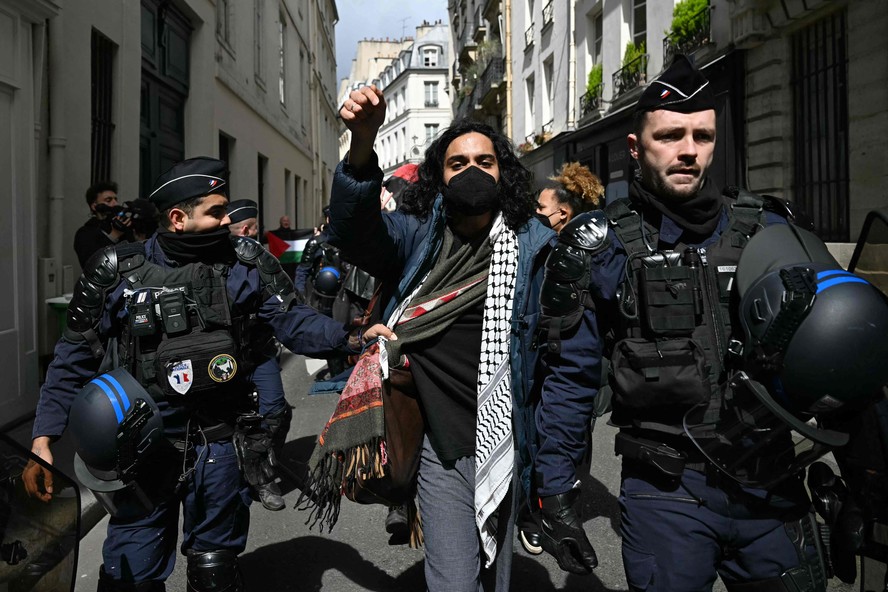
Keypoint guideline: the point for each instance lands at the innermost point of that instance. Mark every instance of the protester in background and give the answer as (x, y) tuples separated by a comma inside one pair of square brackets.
[(244, 215), (466, 256), (102, 229), (574, 190)]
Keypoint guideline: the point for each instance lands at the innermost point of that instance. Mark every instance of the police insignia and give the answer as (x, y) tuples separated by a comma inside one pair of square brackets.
[(222, 368), (181, 376)]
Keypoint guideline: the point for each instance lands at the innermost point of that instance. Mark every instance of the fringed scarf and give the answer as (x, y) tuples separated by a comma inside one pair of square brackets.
[(353, 441)]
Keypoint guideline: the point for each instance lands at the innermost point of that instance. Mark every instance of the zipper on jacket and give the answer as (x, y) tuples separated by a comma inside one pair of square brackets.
[(714, 306)]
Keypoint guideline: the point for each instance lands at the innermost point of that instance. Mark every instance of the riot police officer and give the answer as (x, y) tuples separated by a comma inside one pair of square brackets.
[(188, 314), (648, 283)]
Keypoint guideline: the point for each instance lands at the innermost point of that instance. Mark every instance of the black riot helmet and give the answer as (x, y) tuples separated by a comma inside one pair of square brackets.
[(327, 281), (814, 343), (117, 429)]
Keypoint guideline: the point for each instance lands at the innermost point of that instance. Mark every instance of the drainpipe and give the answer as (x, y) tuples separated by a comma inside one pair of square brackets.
[(572, 68), (57, 140), (508, 52)]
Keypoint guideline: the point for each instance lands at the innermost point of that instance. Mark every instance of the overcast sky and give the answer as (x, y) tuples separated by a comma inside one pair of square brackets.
[(360, 19)]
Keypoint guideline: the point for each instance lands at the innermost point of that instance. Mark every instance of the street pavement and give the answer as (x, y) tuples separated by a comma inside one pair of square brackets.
[(284, 554)]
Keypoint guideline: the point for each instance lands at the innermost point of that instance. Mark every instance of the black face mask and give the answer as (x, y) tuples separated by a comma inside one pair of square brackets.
[(472, 192), (544, 219)]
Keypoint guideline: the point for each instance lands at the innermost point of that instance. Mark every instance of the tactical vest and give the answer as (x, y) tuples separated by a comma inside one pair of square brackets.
[(183, 338), (672, 341)]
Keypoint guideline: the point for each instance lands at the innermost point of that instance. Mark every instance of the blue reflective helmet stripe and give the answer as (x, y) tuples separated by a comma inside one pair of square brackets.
[(115, 402), (834, 277), (332, 270), (121, 392)]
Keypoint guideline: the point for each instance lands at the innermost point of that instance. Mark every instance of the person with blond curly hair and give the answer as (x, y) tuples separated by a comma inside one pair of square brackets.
[(575, 189)]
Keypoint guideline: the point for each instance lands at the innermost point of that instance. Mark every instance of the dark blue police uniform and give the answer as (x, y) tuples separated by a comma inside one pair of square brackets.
[(677, 531), (213, 494)]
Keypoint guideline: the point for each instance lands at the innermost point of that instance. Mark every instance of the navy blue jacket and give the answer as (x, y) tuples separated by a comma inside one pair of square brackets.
[(572, 379), (399, 249), (301, 329)]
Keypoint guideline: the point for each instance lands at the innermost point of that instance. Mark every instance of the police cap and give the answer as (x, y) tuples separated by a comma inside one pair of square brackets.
[(681, 88), (242, 209), (190, 178)]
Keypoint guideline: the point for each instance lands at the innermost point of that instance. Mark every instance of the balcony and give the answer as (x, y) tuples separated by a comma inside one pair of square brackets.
[(433, 103), (548, 13), (687, 42), (467, 43), (528, 37), (491, 79), (631, 76), (592, 101)]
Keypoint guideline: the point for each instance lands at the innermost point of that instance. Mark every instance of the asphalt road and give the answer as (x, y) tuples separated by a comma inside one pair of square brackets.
[(284, 554)]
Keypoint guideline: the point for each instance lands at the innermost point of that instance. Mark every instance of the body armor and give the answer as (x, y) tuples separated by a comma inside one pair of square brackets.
[(183, 337)]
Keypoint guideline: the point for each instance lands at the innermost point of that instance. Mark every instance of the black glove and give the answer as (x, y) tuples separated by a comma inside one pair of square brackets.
[(253, 446), (563, 536)]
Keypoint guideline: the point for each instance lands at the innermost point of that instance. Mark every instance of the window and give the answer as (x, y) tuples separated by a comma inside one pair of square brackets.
[(102, 123), (282, 63), (593, 39), (226, 154), (639, 22), (431, 94), (223, 22), (820, 125), (430, 57), (431, 132), (548, 73), (528, 111), (258, 27)]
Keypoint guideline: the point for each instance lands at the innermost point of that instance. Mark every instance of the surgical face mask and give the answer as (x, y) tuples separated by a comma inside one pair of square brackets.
[(472, 192)]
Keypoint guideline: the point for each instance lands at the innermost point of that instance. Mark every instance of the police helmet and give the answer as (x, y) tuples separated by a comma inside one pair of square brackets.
[(327, 281), (815, 340), (117, 428)]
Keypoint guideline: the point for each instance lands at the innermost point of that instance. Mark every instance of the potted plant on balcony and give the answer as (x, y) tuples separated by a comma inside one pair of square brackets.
[(593, 83), (525, 147), (688, 20)]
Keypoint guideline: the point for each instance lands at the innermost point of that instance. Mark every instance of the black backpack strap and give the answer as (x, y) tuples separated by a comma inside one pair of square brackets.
[(746, 215), (629, 227)]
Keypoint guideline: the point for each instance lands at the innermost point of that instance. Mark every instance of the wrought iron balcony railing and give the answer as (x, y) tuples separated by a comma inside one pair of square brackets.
[(528, 36), (686, 44), (548, 12), (630, 76), (493, 75), (592, 100)]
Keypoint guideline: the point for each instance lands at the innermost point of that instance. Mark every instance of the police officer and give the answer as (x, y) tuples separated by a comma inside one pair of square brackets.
[(187, 313), (276, 412), (647, 283)]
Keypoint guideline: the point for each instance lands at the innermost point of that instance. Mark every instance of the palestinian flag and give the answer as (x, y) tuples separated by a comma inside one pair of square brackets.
[(288, 251)]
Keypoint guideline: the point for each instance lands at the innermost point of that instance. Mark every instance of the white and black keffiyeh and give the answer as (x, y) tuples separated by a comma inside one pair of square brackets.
[(494, 449)]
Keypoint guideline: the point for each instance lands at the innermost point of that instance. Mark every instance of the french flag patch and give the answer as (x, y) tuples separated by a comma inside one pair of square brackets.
[(213, 182), (664, 93)]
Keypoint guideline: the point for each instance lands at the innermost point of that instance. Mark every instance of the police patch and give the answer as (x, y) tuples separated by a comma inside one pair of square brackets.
[(222, 368), (181, 376)]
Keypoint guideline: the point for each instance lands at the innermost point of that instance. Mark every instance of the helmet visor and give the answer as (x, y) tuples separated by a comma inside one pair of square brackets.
[(754, 440)]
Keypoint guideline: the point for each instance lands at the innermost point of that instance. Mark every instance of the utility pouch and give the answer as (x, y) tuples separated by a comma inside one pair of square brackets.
[(665, 373), (196, 363), (666, 459), (671, 303)]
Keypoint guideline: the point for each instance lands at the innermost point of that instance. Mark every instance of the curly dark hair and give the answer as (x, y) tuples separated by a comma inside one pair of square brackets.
[(517, 201)]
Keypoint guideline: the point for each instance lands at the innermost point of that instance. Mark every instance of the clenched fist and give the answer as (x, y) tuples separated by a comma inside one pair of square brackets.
[(363, 113)]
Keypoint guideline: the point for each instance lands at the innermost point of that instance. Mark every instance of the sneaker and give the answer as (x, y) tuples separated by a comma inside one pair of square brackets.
[(396, 524), (531, 540), (270, 496)]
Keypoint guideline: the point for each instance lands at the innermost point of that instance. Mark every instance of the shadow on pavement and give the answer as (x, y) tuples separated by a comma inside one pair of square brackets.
[(300, 564)]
